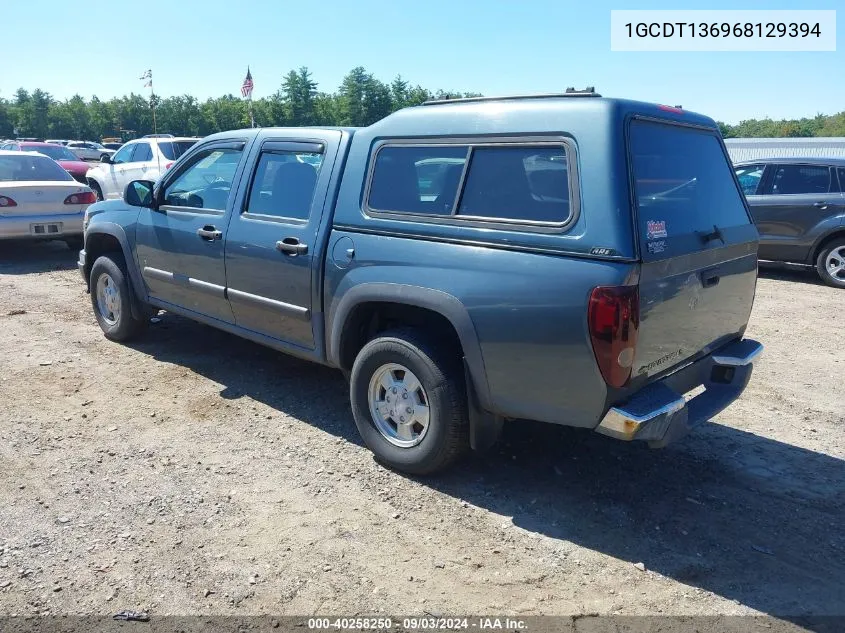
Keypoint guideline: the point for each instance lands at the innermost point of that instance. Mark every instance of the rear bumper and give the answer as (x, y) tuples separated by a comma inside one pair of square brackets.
[(20, 227), (659, 413)]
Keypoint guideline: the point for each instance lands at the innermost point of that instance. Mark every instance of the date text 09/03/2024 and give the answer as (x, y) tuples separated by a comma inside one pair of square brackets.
[(416, 624)]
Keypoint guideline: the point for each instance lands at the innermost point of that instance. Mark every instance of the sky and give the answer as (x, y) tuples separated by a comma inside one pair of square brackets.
[(494, 47)]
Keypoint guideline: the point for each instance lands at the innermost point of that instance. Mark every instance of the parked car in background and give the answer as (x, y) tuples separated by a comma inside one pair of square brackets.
[(142, 159), (40, 200), (798, 205), (56, 141), (114, 146), (88, 150), (59, 153), (458, 266)]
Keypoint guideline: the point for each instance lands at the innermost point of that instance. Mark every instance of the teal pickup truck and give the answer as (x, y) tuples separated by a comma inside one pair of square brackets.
[(565, 258)]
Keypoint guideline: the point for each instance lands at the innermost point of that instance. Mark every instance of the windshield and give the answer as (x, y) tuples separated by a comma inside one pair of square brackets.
[(56, 152), (29, 168), (174, 149)]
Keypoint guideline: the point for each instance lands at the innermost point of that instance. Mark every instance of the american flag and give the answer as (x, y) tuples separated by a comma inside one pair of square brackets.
[(246, 88)]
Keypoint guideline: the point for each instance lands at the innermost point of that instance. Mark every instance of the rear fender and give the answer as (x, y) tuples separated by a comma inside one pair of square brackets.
[(829, 228), (435, 300)]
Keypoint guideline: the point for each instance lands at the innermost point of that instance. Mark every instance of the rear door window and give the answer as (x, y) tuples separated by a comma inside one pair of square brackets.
[(683, 185), (802, 179), (284, 184), (143, 152)]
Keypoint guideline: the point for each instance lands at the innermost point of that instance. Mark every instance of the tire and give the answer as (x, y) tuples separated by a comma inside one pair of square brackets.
[(445, 436), (96, 188), (75, 243), (115, 314), (830, 263)]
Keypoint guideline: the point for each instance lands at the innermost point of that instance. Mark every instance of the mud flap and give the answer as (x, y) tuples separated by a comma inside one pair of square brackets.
[(484, 427)]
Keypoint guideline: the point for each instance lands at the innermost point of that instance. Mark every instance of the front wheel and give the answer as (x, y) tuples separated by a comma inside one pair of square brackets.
[(831, 264), (409, 402), (111, 299)]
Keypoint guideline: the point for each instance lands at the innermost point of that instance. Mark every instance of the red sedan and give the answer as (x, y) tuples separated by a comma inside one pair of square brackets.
[(59, 153)]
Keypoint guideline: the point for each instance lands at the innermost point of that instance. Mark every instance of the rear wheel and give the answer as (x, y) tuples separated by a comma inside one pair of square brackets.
[(111, 298), (409, 402), (831, 263), (96, 188)]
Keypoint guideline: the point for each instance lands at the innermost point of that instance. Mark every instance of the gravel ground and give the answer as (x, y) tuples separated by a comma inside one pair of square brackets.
[(193, 472)]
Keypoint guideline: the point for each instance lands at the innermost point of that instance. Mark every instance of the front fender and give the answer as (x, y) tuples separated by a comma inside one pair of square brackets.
[(118, 232), (436, 300)]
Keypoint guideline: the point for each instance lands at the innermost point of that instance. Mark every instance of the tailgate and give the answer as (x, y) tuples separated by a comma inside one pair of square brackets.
[(697, 242)]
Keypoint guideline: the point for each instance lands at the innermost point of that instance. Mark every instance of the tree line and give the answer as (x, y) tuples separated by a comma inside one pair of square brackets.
[(820, 125), (360, 100)]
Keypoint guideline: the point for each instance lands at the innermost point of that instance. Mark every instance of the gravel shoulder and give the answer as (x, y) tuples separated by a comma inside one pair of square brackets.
[(197, 473)]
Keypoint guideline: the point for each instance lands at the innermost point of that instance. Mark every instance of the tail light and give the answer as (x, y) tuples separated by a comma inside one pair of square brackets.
[(614, 320), (86, 197), (6, 201)]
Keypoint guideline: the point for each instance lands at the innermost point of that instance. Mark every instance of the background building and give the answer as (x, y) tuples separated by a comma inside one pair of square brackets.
[(742, 149)]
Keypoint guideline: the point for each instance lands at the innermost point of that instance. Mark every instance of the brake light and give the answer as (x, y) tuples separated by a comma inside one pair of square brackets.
[(613, 317), (86, 197), (676, 109), (6, 201)]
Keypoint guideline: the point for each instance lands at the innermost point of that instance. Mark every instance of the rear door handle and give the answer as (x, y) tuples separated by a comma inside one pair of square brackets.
[(820, 205), (209, 233), (292, 246)]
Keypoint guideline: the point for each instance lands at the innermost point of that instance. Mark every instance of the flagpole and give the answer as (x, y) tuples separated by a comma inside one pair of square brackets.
[(251, 118), (149, 77), (153, 105)]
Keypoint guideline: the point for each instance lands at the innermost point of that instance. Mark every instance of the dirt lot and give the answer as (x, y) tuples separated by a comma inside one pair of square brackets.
[(196, 473)]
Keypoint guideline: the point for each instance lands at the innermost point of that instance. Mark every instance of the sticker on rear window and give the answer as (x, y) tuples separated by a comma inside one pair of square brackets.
[(656, 229), (657, 247)]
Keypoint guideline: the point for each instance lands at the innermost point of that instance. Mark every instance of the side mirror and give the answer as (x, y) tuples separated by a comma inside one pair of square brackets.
[(105, 158), (139, 193)]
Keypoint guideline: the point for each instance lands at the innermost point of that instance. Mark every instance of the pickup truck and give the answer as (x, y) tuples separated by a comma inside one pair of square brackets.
[(567, 258)]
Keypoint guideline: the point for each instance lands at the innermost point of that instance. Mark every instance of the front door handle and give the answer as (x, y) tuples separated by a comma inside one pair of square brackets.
[(209, 233), (292, 246), (820, 205)]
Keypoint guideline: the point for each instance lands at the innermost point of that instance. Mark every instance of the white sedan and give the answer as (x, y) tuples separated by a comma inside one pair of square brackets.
[(40, 200)]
